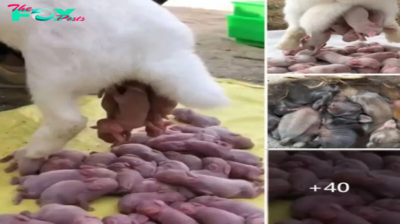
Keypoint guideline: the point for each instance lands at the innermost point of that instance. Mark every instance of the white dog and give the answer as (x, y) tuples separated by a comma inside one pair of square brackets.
[(313, 16), (127, 39)]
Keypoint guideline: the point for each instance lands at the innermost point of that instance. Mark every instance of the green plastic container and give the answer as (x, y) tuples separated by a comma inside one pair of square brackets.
[(247, 30), (249, 8)]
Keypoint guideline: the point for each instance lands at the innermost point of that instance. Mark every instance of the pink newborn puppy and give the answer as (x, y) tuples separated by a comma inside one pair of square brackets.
[(198, 120), (207, 215), (197, 147), (19, 219), (132, 115), (162, 213), (210, 185), (125, 219), (127, 178), (153, 185), (381, 56), (56, 163), (284, 61), (172, 164), (142, 151), (63, 160), (146, 169), (73, 155), (128, 204), (240, 208), (75, 192), (193, 162), (23, 165), (301, 66), (277, 70), (244, 157), (333, 68), (214, 167), (62, 214), (100, 158), (32, 186), (390, 65), (243, 171)]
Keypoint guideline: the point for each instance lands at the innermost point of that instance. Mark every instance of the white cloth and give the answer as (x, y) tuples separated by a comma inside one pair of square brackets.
[(274, 36)]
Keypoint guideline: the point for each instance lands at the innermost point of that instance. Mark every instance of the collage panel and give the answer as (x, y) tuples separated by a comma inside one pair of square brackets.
[(333, 111), (132, 112), (351, 38), (340, 187)]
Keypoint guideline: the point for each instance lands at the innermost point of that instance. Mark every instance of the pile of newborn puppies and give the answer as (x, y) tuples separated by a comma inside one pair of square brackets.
[(356, 24), (373, 179), (329, 117), (187, 175), (359, 57), (131, 105)]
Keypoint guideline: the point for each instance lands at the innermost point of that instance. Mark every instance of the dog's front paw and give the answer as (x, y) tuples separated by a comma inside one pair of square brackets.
[(288, 44)]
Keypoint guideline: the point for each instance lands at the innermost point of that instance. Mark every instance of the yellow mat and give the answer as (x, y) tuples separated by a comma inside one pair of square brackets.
[(245, 116)]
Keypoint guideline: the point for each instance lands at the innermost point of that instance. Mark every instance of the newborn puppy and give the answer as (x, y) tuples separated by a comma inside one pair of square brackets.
[(210, 185), (110, 131), (387, 136), (198, 120), (19, 219), (25, 166), (127, 106), (174, 70), (133, 104), (160, 107), (209, 215), (374, 106), (62, 214), (125, 219), (128, 204), (75, 192), (158, 210)]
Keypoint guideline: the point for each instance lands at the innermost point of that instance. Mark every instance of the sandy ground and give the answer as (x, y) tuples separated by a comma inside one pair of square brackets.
[(224, 58)]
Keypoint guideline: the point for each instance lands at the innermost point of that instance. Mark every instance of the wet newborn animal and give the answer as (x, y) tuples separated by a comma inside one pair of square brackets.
[(204, 214), (298, 127), (33, 186), (25, 166), (76, 192), (210, 185), (62, 214), (198, 120), (159, 211)]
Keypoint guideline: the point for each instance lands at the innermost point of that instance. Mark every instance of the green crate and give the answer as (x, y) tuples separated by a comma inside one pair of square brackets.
[(249, 8), (246, 30), (249, 42)]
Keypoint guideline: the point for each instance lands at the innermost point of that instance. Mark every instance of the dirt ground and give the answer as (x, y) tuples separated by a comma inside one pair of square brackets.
[(275, 16), (223, 57)]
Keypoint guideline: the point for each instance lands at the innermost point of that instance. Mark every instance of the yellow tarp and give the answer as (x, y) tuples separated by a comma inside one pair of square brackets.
[(245, 116)]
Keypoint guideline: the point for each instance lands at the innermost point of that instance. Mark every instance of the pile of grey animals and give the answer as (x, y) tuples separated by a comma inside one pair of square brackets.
[(330, 117)]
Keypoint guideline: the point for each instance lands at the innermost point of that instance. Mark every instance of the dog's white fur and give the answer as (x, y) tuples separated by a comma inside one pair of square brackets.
[(124, 39), (309, 16)]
